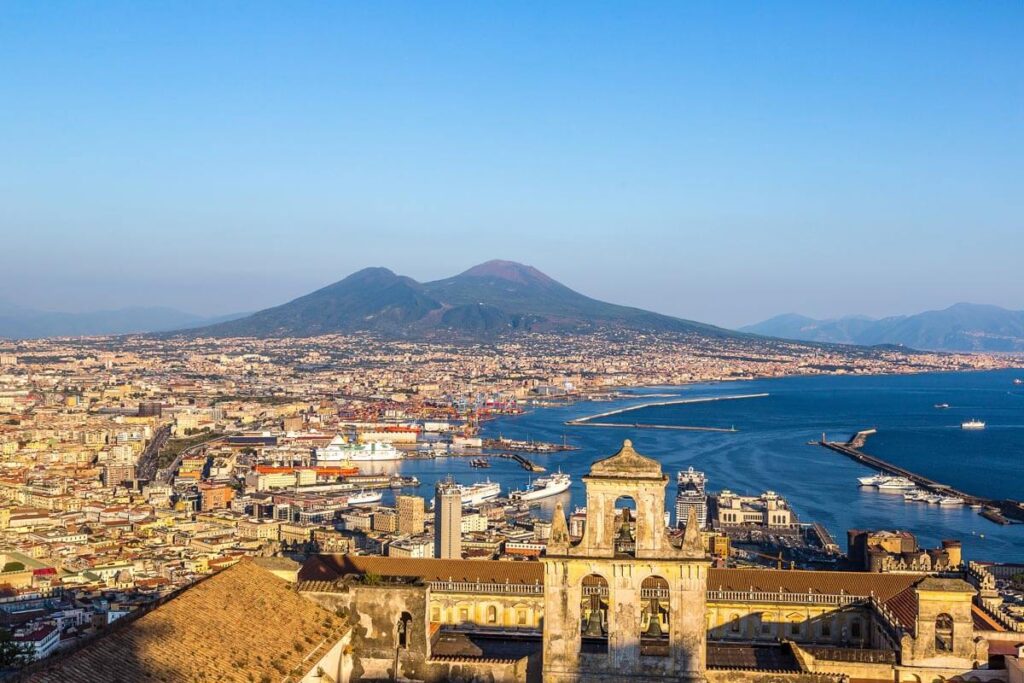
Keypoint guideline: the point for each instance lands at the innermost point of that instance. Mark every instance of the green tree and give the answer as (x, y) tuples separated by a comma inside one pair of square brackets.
[(12, 653)]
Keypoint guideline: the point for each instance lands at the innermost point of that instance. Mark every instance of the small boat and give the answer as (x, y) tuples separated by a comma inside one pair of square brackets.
[(941, 406), (479, 462), (933, 498), (1018, 381), (950, 501), (972, 424)]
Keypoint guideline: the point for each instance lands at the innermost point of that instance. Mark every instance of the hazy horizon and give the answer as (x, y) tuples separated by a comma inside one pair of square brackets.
[(719, 163)]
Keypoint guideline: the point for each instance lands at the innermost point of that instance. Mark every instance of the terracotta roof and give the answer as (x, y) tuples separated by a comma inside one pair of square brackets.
[(332, 567), (983, 621), (904, 607), (211, 631), (882, 586)]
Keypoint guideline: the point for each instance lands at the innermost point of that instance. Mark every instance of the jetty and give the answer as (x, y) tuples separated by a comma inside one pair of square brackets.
[(593, 420), (997, 510)]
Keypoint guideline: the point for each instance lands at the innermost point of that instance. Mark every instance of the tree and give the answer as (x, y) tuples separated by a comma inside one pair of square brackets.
[(12, 653)]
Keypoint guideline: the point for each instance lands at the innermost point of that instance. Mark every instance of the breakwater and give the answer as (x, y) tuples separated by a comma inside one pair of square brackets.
[(592, 420)]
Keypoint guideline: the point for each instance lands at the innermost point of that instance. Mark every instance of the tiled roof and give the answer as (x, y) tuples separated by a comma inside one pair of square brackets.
[(904, 607), (332, 567), (882, 586), (216, 630)]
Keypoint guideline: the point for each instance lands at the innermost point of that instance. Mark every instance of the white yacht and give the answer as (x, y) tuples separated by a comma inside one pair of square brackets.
[(873, 480), (896, 484), (542, 487), (950, 501), (972, 424), (341, 450)]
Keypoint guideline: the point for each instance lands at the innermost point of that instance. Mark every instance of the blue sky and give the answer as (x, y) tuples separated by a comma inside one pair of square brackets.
[(719, 161)]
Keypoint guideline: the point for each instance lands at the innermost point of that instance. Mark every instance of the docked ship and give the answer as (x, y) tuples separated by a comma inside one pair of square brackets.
[(873, 480), (364, 498), (542, 487), (340, 450), (896, 484), (477, 493), (972, 424)]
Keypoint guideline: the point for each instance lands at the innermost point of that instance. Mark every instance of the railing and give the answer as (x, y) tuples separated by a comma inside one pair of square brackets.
[(659, 593), (789, 598), (893, 627), (595, 590), (476, 587)]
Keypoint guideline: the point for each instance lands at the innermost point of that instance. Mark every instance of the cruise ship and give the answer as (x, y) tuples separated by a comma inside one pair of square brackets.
[(340, 450), (972, 424), (543, 487), (364, 498)]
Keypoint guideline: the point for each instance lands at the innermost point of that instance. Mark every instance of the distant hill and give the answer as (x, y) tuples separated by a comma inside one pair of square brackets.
[(26, 323), (962, 327), (491, 299)]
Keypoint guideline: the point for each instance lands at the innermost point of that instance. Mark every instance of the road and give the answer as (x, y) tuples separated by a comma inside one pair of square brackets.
[(146, 467)]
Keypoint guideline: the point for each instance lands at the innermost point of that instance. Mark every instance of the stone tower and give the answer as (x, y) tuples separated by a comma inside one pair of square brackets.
[(624, 601)]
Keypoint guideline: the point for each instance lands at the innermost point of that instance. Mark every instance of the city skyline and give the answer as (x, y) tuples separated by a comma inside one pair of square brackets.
[(737, 162)]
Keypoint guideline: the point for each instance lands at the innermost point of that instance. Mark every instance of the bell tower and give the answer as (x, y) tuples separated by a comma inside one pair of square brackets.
[(624, 601)]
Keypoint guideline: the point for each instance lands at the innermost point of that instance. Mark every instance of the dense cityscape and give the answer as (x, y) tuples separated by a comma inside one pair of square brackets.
[(134, 467)]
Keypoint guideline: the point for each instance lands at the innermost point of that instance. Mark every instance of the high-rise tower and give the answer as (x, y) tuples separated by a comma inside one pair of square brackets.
[(448, 520)]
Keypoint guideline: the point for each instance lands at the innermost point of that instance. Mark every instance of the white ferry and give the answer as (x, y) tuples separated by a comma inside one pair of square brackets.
[(873, 480), (542, 487), (477, 493), (896, 484), (950, 501), (972, 424), (340, 450), (364, 498)]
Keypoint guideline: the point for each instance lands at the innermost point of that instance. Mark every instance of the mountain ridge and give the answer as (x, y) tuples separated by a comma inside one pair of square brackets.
[(962, 327), (487, 300)]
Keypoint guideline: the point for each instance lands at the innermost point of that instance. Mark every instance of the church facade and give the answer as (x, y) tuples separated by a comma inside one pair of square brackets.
[(627, 602)]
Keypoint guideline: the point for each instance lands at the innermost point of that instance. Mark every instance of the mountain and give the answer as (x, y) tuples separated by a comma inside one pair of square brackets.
[(961, 327), (17, 322), (487, 300)]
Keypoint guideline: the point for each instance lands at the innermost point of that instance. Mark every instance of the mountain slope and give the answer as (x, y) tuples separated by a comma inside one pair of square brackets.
[(961, 327), (490, 299)]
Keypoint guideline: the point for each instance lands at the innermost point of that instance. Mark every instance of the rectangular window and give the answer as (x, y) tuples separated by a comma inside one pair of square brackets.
[(826, 629), (855, 629), (463, 615), (521, 617), (794, 629)]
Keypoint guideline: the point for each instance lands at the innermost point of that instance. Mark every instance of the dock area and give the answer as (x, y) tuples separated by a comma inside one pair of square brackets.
[(993, 510)]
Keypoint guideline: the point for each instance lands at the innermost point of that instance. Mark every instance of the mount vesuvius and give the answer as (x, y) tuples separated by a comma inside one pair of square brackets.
[(492, 299)]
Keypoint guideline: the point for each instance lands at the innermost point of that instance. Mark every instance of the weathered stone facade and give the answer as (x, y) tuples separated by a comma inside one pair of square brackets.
[(624, 602)]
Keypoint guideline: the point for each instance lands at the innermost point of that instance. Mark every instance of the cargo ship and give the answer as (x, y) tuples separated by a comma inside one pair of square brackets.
[(340, 450), (542, 487)]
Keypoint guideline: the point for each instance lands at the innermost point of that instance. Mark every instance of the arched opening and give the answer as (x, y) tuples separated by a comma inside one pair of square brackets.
[(594, 615), (734, 625), (403, 627), (625, 527), (944, 633), (492, 614), (654, 616)]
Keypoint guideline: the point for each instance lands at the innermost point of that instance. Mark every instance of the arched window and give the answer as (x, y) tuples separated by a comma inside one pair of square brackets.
[(734, 624), (624, 535), (492, 614), (402, 628), (654, 616), (594, 614), (944, 633)]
